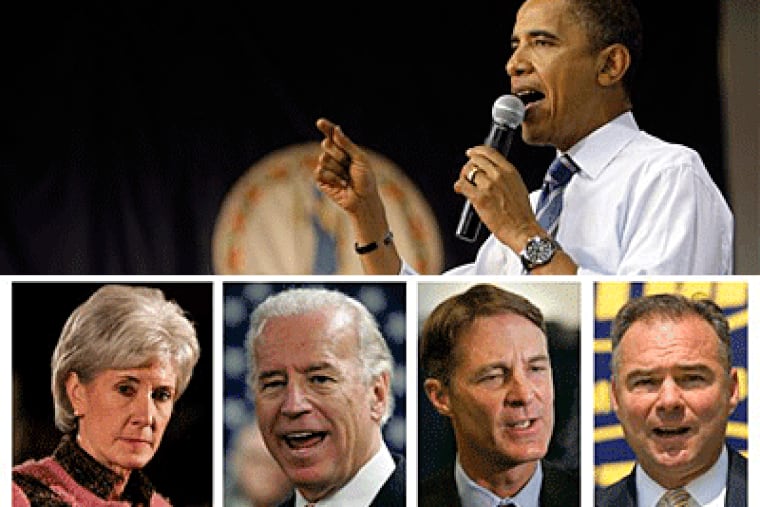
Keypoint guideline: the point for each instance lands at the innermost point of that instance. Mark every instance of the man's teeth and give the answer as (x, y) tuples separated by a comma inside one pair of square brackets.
[(528, 96), (302, 439), (671, 431), (520, 425)]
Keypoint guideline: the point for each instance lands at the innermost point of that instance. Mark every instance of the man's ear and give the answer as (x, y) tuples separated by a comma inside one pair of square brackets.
[(438, 395), (613, 63), (734, 394), (381, 388), (613, 397)]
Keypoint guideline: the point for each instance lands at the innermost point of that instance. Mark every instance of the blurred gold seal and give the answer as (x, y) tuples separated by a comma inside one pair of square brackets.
[(275, 221)]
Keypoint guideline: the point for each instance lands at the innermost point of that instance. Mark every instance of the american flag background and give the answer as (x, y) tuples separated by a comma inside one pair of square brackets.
[(386, 301)]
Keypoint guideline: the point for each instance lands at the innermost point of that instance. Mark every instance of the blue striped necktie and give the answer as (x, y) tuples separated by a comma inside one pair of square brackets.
[(549, 204)]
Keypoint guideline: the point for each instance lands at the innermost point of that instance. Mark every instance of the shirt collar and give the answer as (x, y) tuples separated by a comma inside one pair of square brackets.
[(472, 494), (597, 149), (363, 486), (704, 489)]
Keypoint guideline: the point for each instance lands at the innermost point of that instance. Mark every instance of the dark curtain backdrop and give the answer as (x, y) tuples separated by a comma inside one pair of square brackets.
[(124, 127), (436, 436)]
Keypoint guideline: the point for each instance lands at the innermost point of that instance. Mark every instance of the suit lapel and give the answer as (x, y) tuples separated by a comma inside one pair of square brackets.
[(558, 488), (393, 491), (736, 487), (619, 494)]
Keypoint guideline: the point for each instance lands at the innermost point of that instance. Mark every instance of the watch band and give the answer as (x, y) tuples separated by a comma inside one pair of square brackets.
[(371, 247)]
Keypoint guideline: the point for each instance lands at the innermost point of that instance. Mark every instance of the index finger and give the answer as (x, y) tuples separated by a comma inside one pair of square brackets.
[(326, 127)]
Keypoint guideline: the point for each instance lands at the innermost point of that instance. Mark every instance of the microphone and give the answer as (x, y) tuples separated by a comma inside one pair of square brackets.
[(507, 114)]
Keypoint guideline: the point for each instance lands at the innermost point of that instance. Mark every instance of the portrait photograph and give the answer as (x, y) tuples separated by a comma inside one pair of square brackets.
[(499, 393), (671, 392), (296, 386), (112, 392)]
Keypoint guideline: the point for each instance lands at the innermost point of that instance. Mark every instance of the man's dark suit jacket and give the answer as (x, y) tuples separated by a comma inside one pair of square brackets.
[(560, 488), (392, 494), (623, 492)]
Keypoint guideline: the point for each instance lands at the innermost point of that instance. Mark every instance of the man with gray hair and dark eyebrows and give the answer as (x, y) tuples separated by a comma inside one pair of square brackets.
[(673, 389), (321, 375)]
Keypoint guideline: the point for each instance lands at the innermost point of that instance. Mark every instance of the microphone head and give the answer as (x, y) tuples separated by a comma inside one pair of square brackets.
[(508, 111)]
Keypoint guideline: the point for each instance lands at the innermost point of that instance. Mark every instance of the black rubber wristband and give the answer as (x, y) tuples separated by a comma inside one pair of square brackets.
[(371, 247)]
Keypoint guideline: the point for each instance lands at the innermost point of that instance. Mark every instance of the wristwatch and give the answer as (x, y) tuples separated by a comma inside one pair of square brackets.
[(538, 251)]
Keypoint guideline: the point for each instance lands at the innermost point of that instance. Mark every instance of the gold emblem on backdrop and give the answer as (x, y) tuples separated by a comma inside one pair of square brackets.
[(274, 220)]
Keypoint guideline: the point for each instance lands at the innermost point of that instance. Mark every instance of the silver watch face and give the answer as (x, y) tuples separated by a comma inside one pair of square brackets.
[(539, 250)]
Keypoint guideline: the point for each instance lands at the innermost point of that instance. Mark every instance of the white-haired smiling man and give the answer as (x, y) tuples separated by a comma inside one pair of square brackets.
[(321, 375)]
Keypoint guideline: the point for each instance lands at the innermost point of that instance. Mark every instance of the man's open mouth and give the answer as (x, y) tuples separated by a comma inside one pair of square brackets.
[(670, 432), (304, 439), (521, 425), (529, 96)]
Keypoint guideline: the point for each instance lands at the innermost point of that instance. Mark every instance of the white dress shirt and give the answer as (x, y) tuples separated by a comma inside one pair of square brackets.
[(638, 206), (472, 494), (707, 490), (363, 487)]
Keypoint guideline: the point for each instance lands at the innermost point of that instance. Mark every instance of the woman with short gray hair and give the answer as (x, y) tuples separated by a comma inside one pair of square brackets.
[(122, 360)]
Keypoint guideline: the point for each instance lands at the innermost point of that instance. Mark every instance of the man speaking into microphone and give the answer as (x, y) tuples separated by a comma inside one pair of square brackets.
[(616, 200)]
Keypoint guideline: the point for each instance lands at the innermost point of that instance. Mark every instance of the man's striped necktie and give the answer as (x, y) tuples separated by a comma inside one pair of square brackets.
[(549, 204)]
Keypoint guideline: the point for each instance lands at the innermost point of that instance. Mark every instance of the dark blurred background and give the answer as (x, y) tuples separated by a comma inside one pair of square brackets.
[(560, 306), (124, 126), (182, 467)]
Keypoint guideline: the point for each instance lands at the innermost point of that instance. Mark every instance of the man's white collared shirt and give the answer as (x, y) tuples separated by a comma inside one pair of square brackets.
[(638, 206), (472, 494), (707, 490), (363, 487)]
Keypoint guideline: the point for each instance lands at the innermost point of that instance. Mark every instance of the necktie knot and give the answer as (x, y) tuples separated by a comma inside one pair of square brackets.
[(549, 203), (678, 497), (560, 171)]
